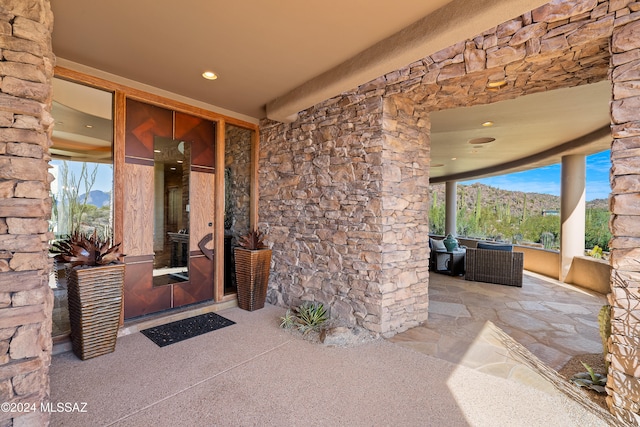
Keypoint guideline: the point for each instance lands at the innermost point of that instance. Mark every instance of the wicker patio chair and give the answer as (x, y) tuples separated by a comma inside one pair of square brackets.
[(494, 266)]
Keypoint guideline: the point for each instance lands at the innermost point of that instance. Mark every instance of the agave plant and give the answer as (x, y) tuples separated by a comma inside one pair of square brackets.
[(288, 320), (89, 250), (308, 317), (253, 240), (590, 379), (311, 317)]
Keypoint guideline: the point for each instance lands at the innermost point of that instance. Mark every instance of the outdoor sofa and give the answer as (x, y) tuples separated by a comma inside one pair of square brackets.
[(494, 263)]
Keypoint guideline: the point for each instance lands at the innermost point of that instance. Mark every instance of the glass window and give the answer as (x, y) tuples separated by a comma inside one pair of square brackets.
[(82, 167)]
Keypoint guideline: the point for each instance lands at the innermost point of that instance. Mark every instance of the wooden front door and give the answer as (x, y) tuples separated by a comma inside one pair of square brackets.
[(168, 215)]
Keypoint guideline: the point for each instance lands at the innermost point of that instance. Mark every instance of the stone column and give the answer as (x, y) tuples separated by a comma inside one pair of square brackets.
[(348, 220), (26, 302), (572, 211), (451, 208), (623, 385), (405, 215)]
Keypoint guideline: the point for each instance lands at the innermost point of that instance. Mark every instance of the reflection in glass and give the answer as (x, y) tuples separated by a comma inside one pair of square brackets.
[(81, 196), (237, 186), (82, 167), (171, 211)]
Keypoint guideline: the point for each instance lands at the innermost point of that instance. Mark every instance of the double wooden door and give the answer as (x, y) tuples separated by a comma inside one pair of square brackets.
[(168, 209)]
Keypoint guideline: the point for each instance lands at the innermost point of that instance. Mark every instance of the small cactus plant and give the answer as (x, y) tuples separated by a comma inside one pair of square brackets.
[(604, 320), (596, 252), (547, 239)]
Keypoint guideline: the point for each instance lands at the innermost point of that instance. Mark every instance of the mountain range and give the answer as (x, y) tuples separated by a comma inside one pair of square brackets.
[(536, 203), (490, 196), (97, 198)]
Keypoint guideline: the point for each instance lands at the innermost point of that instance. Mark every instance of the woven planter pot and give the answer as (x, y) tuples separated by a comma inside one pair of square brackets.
[(95, 302), (252, 277)]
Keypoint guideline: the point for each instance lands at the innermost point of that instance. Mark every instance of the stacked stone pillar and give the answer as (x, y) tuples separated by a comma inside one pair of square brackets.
[(344, 201), (26, 69), (405, 210), (623, 384)]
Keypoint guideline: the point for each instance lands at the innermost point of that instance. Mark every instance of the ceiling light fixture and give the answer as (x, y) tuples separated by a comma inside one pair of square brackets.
[(157, 151), (454, 158), (478, 141), (89, 126), (209, 75), (487, 124), (496, 84)]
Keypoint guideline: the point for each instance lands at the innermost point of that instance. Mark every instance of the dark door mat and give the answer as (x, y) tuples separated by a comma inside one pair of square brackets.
[(179, 330)]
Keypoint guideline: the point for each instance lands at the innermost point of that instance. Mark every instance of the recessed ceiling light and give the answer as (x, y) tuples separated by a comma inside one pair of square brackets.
[(496, 84), (477, 141), (173, 169), (454, 158), (487, 124), (89, 126), (209, 75), (180, 161), (157, 151)]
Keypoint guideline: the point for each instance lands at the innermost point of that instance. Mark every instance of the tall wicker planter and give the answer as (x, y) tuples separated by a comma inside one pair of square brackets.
[(95, 302), (252, 277)]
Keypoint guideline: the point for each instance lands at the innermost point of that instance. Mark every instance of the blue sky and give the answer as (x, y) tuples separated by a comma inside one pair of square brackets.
[(104, 178), (546, 180)]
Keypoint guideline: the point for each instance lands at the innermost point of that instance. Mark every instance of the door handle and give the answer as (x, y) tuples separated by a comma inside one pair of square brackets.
[(202, 245)]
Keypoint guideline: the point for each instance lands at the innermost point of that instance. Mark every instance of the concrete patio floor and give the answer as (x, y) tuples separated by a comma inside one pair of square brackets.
[(453, 371)]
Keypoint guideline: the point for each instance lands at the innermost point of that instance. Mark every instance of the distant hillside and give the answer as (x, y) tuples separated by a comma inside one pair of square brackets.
[(598, 204), (514, 201), (97, 198)]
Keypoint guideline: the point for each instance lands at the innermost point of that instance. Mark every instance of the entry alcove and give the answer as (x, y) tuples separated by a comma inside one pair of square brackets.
[(217, 143)]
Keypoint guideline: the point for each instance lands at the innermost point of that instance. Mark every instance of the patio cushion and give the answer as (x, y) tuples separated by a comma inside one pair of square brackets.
[(437, 245), (495, 247)]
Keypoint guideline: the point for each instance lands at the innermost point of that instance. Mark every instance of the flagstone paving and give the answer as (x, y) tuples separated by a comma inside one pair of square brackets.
[(553, 320)]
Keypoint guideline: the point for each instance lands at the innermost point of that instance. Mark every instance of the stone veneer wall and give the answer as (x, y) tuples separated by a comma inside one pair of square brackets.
[(319, 183), (623, 385), (238, 161), (343, 192), (320, 176), (561, 44), (405, 206), (26, 302)]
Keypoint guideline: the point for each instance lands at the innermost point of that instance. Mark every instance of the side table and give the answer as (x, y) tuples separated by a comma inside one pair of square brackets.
[(451, 263)]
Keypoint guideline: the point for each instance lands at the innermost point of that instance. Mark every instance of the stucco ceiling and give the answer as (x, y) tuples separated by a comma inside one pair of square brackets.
[(259, 49), (291, 53), (529, 131)]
